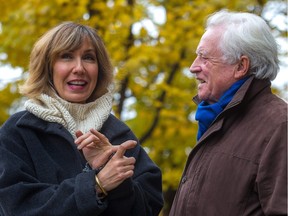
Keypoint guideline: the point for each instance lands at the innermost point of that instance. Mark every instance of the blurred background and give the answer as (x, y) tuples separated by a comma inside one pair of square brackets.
[(151, 43)]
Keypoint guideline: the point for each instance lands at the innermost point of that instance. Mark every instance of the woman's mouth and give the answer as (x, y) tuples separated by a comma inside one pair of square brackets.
[(77, 84)]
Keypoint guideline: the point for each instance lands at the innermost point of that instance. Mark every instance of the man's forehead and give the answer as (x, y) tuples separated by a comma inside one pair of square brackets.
[(208, 46)]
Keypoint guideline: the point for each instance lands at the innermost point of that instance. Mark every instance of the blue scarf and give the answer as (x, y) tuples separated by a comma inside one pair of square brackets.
[(206, 113)]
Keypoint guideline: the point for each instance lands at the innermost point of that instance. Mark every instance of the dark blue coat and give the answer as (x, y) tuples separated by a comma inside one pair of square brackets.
[(41, 173)]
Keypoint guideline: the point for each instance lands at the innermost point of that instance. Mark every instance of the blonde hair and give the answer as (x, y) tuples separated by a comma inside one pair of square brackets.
[(66, 36)]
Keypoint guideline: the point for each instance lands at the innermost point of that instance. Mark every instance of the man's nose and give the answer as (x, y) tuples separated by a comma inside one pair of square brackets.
[(195, 67)]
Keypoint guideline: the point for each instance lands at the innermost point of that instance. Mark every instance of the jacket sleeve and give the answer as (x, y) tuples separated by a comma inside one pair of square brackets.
[(140, 195), (272, 174), (23, 193)]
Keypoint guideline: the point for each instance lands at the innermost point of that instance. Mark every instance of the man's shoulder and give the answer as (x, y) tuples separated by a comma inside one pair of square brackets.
[(276, 108)]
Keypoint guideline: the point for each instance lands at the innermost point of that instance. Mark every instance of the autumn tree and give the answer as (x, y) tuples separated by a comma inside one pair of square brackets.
[(151, 53)]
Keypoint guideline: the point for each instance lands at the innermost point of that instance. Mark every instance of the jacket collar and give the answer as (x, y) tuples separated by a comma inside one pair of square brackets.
[(245, 93), (255, 84), (248, 91), (29, 120)]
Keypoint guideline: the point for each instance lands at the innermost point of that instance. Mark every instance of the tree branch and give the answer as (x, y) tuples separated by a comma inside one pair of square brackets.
[(161, 99)]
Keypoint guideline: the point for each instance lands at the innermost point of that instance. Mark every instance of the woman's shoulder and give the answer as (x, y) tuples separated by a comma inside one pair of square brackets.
[(20, 118), (14, 118), (10, 126), (113, 123), (114, 127)]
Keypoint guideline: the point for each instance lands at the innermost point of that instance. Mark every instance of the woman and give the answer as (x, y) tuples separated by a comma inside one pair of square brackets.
[(56, 156)]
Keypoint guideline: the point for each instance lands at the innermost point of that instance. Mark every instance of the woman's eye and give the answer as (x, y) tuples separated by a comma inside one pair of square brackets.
[(66, 56), (90, 57)]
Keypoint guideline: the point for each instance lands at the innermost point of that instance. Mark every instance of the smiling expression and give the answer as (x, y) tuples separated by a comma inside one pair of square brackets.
[(75, 73), (213, 74)]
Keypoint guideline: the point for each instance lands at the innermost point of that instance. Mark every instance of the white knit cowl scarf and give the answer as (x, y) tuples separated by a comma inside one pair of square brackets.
[(72, 116)]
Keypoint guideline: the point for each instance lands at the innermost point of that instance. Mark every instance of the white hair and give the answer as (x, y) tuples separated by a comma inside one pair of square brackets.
[(247, 34)]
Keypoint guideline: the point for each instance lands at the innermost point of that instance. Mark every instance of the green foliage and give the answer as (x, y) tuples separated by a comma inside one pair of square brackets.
[(7, 96)]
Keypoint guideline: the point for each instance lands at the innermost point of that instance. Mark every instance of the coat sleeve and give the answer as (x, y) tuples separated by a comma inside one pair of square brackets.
[(23, 193), (272, 174), (140, 195)]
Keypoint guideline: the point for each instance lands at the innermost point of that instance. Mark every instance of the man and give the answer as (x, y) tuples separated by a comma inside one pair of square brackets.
[(239, 165)]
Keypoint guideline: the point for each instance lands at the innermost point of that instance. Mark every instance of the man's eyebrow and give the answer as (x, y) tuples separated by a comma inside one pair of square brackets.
[(201, 52)]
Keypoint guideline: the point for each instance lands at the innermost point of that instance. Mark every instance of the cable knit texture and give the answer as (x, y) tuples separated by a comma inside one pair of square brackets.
[(72, 116)]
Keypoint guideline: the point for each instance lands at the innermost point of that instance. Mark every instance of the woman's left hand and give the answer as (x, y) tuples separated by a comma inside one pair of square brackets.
[(96, 147)]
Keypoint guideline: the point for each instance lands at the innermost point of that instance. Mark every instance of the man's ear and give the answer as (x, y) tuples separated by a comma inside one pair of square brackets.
[(242, 67)]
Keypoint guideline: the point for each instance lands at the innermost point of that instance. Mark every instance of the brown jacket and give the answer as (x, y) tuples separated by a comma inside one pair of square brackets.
[(239, 166)]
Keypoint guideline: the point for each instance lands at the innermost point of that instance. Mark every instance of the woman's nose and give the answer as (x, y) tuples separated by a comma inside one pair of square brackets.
[(79, 66)]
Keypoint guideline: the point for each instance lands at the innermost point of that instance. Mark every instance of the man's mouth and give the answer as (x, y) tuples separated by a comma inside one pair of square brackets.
[(201, 81)]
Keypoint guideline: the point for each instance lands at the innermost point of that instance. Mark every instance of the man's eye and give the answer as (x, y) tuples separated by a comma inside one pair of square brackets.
[(202, 57)]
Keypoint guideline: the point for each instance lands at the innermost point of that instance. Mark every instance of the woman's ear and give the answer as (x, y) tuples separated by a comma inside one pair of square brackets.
[(242, 67)]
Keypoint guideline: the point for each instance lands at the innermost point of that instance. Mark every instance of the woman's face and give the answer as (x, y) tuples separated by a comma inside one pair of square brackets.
[(75, 73)]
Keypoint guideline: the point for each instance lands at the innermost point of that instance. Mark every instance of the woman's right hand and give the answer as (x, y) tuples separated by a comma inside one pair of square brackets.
[(118, 168)]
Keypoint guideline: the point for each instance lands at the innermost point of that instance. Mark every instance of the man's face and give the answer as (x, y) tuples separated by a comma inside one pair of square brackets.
[(214, 75)]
